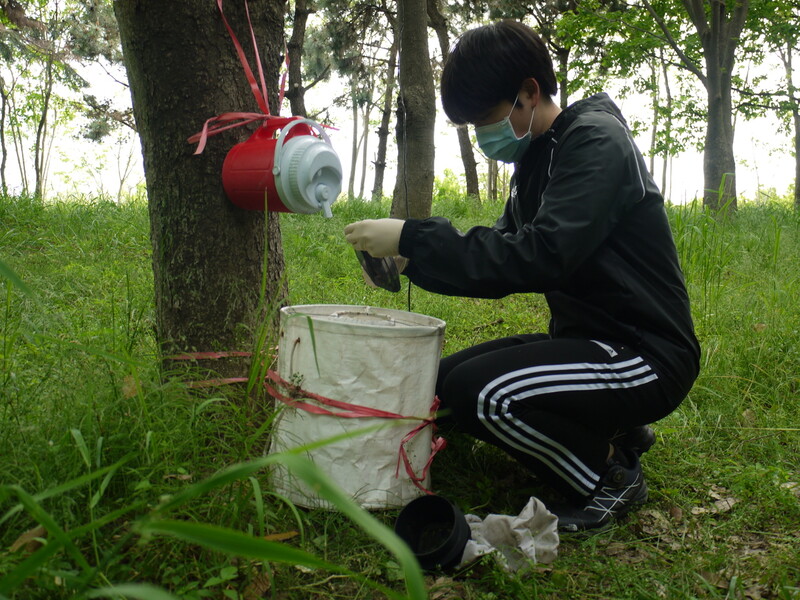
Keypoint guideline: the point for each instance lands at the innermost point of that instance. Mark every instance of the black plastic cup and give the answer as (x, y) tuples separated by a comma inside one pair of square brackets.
[(435, 530)]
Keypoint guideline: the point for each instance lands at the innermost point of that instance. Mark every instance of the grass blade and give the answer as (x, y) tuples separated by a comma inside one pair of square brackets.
[(326, 488), (68, 486), (60, 539), (7, 273)]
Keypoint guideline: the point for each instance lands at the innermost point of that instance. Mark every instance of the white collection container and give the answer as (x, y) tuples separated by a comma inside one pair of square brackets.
[(373, 357)]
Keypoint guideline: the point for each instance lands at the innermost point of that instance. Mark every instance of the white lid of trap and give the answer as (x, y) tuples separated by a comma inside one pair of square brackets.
[(308, 172)]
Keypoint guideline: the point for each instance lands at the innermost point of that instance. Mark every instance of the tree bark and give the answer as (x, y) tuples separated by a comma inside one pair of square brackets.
[(413, 192), (439, 24), (719, 163), (562, 59), (491, 178), (208, 254)]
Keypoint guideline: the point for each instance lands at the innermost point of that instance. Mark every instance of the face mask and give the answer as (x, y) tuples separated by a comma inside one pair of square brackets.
[(498, 140)]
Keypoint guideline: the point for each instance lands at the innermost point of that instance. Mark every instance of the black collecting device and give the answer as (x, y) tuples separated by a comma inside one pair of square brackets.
[(382, 271)]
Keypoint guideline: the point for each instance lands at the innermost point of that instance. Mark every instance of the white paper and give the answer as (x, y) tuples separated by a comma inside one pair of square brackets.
[(515, 541)]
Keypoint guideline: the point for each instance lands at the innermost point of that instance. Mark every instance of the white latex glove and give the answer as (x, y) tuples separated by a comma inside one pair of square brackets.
[(379, 237)]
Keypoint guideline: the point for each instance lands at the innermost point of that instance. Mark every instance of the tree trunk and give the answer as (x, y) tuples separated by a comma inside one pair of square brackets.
[(796, 120), (439, 24), (667, 129), (654, 130), (3, 149), (39, 151), (562, 59), (413, 191), (296, 92), (208, 254), (719, 164), (351, 181), (470, 164), (719, 35), (491, 179), (383, 130), (364, 141), (787, 58)]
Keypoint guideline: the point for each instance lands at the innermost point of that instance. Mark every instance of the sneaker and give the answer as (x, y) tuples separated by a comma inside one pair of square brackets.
[(621, 490), (637, 439)]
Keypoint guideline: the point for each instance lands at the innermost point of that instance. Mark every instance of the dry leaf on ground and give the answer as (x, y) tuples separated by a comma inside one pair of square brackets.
[(258, 588), (793, 487), (281, 537), (28, 541), (723, 502)]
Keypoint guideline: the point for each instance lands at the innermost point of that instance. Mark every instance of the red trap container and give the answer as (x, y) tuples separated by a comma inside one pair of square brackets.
[(298, 171)]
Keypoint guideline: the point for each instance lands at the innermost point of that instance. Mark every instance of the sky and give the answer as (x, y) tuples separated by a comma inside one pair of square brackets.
[(84, 168)]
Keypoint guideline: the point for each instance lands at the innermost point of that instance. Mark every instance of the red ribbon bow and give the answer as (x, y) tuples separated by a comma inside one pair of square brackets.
[(229, 120)]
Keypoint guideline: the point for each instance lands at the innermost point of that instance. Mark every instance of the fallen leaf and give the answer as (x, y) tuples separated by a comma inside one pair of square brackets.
[(178, 476), (654, 522), (718, 580), (130, 386), (793, 487), (723, 502), (281, 537), (28, 541), (615, 549), (444, 588), (718, 492), (258, 588), (757, 592), (723, 505), (676, 513)]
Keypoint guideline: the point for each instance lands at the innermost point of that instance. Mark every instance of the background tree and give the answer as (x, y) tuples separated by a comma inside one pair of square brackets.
[(296, 91), (35, 45), (614, 48), (207, 253), (416, 115), (389, 81), (438, 23), (776, 32), (718, 25), (359, 42)]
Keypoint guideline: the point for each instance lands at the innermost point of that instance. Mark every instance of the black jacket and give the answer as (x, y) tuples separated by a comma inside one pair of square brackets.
[(585, 225)]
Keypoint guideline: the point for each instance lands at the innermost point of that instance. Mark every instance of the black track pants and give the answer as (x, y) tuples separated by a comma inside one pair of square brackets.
[(553, 404)]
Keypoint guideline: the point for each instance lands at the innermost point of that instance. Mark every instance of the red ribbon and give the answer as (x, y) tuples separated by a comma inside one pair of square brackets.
[(237, 119), (355, 411), (346, 410)]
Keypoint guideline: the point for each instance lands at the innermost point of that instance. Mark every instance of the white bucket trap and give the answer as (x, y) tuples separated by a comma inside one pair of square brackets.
[(372, 357)]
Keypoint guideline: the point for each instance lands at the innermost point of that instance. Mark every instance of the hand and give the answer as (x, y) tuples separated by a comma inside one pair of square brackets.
[(379, 237)]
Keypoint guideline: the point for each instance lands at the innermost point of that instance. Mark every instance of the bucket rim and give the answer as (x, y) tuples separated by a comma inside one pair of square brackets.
[(320, 314)]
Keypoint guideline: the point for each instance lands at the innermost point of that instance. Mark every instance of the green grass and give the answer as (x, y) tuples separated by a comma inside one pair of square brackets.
[(140, 480)]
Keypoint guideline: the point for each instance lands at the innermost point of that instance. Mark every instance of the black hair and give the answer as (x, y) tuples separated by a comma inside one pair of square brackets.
[(488, 65)]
